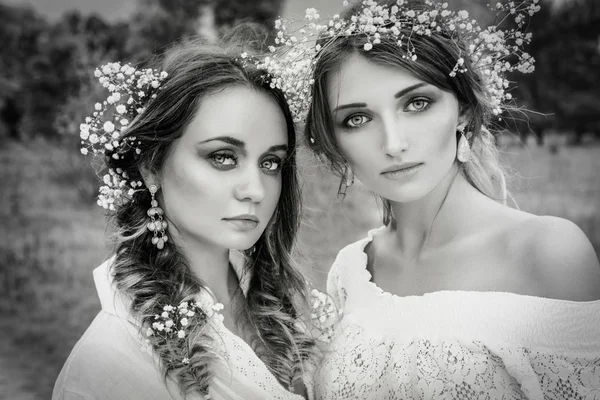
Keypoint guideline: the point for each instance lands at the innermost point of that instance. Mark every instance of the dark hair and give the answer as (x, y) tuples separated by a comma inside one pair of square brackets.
[(154, 278), (437, 55)]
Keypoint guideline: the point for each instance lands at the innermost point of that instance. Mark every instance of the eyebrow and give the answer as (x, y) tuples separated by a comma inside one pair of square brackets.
[(227, 139), (238, 143), (279, 147), (396, 96)]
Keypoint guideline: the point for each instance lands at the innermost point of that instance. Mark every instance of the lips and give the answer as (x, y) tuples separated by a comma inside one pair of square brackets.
[(243, 217), (400, 167), (244, 222)]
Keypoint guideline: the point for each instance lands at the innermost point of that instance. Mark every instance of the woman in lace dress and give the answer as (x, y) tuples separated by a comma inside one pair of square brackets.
[(206, 164), (457, 296)]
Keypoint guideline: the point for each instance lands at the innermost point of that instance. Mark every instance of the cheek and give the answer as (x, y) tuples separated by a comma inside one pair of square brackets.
[(448, 143), (273, 187), (189, 189), (359, 149), (441, 142)]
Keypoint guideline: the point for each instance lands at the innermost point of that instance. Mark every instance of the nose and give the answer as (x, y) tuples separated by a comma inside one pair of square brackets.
[(395, 139), (250, 187)]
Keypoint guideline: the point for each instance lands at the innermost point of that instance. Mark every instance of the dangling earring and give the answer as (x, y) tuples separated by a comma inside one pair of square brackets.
[(463, 153), (346, 181), (157, 224)]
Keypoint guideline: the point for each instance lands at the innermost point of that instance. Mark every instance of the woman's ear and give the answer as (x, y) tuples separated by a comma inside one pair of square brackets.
[(149, 176), (464, 119)]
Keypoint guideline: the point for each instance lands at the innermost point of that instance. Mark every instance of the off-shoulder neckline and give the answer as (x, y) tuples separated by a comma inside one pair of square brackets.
[(368, 277)]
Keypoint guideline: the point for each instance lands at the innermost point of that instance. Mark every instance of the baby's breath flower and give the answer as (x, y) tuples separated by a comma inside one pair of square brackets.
[(487, 48), (175, 323), (99, 134)]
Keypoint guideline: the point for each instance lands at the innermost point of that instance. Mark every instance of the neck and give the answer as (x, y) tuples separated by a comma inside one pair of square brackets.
[(210, 264), (434, 219)]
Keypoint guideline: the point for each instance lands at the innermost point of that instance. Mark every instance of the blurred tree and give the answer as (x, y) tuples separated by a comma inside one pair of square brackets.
[(21, 30), (43, 65), (228, 13), (159, 23), (566, 82)]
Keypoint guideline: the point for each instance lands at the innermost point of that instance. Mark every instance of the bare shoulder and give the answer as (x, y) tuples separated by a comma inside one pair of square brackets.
[(562, 257)]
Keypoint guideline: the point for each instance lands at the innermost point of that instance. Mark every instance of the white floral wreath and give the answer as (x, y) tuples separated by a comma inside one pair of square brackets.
[(490, 50)]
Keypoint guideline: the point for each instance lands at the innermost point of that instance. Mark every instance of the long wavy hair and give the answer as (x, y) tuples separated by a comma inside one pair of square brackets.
[(437, 55), (153, 278)]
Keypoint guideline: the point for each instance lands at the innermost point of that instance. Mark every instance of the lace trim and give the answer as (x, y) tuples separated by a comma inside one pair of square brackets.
[(360, 366), (324, 316)]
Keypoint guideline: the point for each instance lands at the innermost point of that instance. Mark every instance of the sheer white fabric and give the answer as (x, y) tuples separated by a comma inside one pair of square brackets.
[(454, 344), (111, 362)]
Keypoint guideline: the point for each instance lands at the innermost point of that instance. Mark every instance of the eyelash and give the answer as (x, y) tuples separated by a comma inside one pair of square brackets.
[(428, 101), (226, 156), (274, 160), (346, 122), (230, 156)]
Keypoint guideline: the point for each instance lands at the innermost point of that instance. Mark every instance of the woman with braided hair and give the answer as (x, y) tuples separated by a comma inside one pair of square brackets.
[(201, 298)]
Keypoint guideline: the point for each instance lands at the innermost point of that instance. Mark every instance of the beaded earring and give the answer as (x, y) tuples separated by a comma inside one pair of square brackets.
[(157, 224)]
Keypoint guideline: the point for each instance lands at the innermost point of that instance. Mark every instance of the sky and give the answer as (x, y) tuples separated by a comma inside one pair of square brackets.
[(113, 10)]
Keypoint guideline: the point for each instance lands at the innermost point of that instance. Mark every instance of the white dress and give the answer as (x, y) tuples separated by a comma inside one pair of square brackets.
[(110, 361), (454, 344)]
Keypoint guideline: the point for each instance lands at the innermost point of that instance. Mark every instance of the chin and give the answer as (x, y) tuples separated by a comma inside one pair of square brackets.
[(405, 193), (242, 241)]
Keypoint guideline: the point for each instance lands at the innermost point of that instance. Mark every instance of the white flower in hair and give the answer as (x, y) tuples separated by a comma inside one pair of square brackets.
[(492, 51), (102, 132), (173, 324)]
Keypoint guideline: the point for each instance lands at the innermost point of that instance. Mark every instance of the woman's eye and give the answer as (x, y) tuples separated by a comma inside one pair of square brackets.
[(418, 105), (271, 165), (356, 121), (224, 159)]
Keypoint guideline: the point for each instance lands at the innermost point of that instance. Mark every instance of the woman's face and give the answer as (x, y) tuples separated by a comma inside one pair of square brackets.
[(222, 179), (397, 132)]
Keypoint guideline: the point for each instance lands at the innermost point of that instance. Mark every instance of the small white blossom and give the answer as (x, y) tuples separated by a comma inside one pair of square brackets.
[(108, 127)]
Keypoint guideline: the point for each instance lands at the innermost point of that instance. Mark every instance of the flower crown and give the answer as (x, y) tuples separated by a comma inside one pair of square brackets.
[(102, 133), (491, 51)]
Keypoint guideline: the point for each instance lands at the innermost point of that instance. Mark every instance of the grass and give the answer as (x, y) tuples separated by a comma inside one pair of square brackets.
[(54, 237)]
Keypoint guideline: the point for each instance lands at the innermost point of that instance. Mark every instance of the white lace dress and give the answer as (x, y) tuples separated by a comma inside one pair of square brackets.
[(454, 344)]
